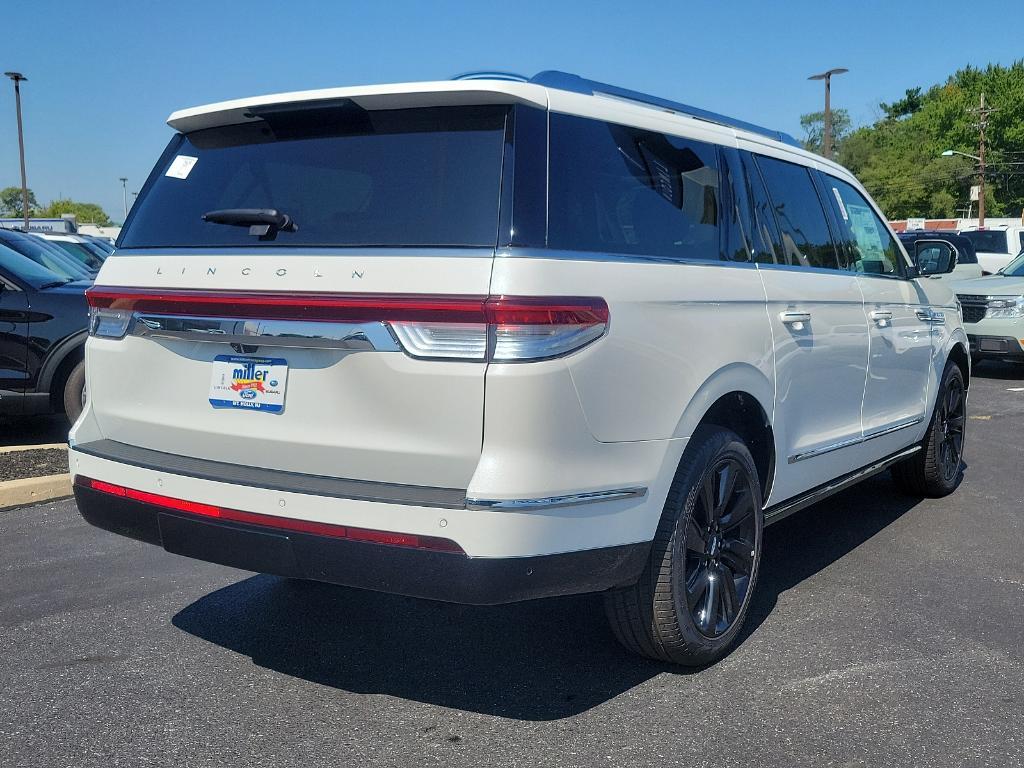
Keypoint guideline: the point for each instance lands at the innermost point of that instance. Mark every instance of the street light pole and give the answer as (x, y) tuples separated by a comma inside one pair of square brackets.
[(124, 194), (17, 77), (826, 142)]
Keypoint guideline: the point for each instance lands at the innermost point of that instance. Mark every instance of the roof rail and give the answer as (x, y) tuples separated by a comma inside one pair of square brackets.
[(566, 81), (492, 74)]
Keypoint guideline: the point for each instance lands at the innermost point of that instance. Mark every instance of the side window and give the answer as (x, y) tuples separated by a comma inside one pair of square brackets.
[(767, 241), (873, 248), (737, 219), (1021, 236), (618, 189), (806, 239)]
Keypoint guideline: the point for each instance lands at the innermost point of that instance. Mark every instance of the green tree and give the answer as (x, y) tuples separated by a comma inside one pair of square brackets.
[(86, 213), (908, 105), (813, 124), (899, 158), (11, 202)]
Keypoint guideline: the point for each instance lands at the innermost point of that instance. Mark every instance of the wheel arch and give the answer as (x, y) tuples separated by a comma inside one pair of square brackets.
[(64, 356), (738, 397)]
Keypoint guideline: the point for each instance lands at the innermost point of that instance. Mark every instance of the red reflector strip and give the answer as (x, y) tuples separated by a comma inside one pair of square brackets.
[(272, 521), (362, 307)]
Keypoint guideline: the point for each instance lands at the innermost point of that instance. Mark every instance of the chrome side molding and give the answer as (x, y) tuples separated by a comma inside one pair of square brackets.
[(557, 501), (370, 336), (853, 440)]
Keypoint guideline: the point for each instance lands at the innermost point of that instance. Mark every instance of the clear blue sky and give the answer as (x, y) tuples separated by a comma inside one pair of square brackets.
[(104, 75)]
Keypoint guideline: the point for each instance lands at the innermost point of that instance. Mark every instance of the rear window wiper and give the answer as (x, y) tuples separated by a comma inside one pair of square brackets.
[(262, 222)]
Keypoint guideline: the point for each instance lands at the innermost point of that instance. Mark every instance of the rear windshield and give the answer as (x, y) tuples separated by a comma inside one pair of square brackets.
[(988, 241), (345, 176)]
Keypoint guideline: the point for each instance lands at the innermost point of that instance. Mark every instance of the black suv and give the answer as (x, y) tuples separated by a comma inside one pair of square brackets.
[(43, 326), (967, 254)]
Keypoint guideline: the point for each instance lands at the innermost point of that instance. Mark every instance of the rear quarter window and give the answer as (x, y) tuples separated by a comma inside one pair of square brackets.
[(623, 190)]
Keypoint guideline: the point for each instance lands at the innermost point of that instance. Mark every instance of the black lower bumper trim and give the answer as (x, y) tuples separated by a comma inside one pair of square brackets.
[(996, 347), (447, 576)]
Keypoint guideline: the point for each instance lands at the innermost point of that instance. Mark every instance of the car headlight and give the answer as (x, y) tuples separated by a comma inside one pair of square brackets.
[(1005, 307)]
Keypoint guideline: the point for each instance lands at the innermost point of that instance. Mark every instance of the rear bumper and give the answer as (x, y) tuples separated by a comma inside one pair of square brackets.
[(996, 347), (447, 576)]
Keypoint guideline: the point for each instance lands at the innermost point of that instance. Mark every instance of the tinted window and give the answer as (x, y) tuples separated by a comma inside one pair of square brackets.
[(767, 242), (873, 250), (13, 263), (345, 175), (806, 240), (737, 220), (1021, 236), (616, 189), (987, 240)]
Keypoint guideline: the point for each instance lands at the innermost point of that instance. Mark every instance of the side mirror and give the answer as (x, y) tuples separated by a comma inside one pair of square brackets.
[(935, 257)]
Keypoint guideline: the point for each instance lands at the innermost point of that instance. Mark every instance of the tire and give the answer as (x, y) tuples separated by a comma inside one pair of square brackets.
[(663, 616), (938, 468), (74, 392)]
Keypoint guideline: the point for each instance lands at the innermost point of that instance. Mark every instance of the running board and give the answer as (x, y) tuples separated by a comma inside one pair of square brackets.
[(787, 508)]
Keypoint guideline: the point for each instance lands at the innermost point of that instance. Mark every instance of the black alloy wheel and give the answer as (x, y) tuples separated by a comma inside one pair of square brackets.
[(937, 468), (719, 540), (690, 602), (951, 414)]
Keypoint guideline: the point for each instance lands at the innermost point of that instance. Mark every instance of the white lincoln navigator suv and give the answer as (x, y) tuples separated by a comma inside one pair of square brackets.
[(496, 339)]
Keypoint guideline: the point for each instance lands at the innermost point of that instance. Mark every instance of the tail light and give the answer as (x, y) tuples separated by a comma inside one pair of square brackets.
[(498, 328)]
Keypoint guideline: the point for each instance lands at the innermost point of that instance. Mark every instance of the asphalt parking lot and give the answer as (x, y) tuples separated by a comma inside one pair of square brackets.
[(887, 632)]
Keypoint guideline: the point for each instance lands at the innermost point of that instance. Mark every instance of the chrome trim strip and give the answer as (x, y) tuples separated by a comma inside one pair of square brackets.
[(557, 501), (787, 508), (372, 336), (854, 440)]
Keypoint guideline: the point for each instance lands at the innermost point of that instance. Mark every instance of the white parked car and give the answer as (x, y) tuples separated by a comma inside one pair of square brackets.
[(486, 340), (997, 243)]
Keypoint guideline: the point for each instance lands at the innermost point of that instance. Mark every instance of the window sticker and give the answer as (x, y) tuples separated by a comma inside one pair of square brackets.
[(842, 208), (181, 167), (862, 222)]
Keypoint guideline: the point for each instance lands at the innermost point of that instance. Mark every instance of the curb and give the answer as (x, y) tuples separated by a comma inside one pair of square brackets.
[(45, 447), (33, 490)]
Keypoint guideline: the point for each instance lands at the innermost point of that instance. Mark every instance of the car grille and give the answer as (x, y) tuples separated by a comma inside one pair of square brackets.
[(974, 307)]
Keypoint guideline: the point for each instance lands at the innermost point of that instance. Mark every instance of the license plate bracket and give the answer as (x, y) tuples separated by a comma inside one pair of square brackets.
[(249, 383)]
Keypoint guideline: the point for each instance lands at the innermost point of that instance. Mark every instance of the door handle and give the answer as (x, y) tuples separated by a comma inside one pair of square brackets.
[(881, 316), (795, 317), (931, 316)]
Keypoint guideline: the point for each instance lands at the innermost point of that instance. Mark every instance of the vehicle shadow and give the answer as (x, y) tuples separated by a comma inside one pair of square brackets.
[(539, 660)]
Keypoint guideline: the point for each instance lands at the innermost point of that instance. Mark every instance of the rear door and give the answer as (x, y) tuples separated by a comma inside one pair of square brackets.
[(349, 343), (821, 341)]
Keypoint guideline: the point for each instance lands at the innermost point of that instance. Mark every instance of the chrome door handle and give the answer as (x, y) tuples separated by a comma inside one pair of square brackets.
[(931, 316), (881, 316), (795, 317)]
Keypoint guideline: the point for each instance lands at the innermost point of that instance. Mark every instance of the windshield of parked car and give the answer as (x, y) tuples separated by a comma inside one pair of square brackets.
[(23, 268), (987, 240), (80, 253), (41, 252), (344, 175), (1015, 268)]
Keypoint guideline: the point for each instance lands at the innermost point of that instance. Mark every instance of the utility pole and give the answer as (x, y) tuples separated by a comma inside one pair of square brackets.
[(826, 142), (17, 77), (982, 112), (124, 194)]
